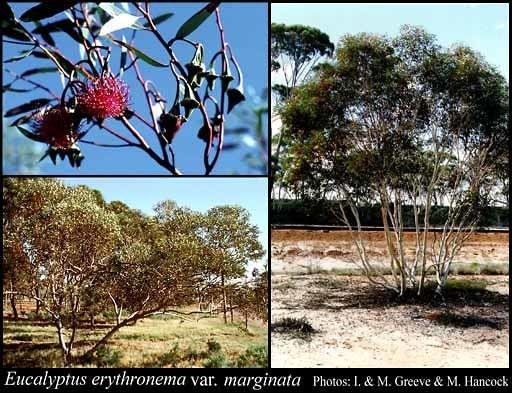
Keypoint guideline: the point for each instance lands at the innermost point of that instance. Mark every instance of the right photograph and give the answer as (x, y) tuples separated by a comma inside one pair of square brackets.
[(389, 185)]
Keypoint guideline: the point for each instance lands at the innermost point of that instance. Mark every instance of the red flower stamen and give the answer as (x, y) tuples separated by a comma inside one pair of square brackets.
[(103, 97), (56, 127)]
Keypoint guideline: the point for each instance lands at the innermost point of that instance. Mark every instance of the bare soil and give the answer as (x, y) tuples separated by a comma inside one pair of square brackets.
[(353, 324)]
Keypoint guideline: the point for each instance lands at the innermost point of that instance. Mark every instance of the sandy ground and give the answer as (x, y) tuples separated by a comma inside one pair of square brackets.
[(353, 332)]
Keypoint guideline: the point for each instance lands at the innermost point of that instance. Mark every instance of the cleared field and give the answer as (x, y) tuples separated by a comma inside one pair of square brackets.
[(325, 314), (357, 326), (152, 342)]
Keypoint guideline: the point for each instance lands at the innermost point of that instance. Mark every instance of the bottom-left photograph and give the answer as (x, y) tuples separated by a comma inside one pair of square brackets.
[(135, 272)]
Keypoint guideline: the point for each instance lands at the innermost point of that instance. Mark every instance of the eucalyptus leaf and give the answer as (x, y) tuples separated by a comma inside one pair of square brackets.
[(6, 11), (63, 25), (45, 10), (21, 56), (123, 58), (30, 135), (141, 55), (41, 70), (63, 62), (28, 106), (14, 32), (196, 20), (119, 22), (114, 11), (160, 19), (45, 34)]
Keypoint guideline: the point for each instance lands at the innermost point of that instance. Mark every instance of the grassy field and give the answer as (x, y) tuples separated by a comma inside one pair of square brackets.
[(161, 341)]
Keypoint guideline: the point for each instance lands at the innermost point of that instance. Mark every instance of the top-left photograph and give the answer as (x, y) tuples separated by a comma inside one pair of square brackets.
[(135, 88)]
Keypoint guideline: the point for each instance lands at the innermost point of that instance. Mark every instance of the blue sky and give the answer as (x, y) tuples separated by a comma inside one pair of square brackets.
[(199, 194), (245, 27), (484, 27)]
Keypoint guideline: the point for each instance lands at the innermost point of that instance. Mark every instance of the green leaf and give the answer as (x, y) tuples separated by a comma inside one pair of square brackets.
[(196, 20), (22, 120), (53, 155), (63, 62), (21, 56), (15, 90), (119, 22), (7, 12), (111, 9), (63, 25), (124, 57), (45, 34), (114, 11), (141, 55), (30, 135), (29, 106), (41, 70), (46, 154), (14, 32), (45, 10), (161, 18)]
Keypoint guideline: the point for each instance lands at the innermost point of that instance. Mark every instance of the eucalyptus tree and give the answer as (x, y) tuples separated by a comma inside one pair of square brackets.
[(402, 121), (295, 52), (78, 256), (67, 240), (232, 242), (23, 200)]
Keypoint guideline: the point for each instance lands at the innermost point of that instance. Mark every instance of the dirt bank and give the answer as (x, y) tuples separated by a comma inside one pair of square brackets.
[(316, 251)]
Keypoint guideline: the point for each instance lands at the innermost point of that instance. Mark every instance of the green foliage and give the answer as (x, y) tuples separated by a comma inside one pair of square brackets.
[(196, 20), (320, 212), (466, 285), (216, 360), (213, 346), (169, 358), (394, 115), (297, 327), (299, 46), (255, 356), (107, 357), (45, 10)]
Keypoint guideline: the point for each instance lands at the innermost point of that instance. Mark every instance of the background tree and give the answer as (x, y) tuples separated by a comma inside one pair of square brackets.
[(233, 242), (295, 52), (401, 122)]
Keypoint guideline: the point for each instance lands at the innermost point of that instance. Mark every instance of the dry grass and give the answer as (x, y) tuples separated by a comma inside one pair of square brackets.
[(153, 342)]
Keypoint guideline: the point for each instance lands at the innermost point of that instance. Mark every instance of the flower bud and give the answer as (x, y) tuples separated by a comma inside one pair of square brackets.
[(171, 124)]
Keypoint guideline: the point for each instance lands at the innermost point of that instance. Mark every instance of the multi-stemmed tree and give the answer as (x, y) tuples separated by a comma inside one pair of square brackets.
[(402, 122)]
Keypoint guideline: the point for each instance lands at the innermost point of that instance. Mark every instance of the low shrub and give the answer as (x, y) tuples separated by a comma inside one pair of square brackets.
[(107, 357), (254, 356), (299, 327)]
